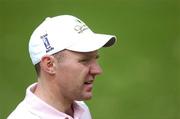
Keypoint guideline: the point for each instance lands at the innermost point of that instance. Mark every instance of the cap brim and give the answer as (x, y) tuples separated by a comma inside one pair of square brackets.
[(92, 42)]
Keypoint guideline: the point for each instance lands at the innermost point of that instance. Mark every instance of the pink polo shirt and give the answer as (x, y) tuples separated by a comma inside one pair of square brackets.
[(33, 107)]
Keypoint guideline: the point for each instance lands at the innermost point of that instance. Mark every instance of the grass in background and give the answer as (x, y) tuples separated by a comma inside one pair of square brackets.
[(141, 72)]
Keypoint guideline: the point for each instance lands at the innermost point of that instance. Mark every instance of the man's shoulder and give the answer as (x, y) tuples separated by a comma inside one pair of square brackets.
[(23, 115), (22, 112)]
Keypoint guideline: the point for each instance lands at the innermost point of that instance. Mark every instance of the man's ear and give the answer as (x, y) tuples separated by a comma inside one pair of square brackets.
[(48, 64)]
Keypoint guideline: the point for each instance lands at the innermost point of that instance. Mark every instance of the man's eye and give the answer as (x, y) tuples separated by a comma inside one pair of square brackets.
[(84, 60)]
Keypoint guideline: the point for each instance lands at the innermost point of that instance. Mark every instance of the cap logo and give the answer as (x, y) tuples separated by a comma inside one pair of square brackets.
[(46, 43), (80, 27)]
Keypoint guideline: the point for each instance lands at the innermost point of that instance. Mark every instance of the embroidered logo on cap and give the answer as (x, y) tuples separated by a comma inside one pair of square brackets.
[(80, 27), (46, 43)]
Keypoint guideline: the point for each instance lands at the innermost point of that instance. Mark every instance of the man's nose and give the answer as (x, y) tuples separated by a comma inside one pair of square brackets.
[(95, 69)]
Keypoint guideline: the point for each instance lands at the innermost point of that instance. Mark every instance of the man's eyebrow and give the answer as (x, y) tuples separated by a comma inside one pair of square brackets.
[(91, 56)]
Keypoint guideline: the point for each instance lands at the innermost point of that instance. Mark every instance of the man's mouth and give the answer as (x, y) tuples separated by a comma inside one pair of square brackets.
[(88, 82), (88, 85)]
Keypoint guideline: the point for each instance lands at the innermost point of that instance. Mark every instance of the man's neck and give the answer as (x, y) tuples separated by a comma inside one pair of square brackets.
[(60, 104), (70, 111)]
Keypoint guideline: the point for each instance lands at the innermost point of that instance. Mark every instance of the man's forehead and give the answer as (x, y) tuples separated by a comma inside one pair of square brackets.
[(88, 54)]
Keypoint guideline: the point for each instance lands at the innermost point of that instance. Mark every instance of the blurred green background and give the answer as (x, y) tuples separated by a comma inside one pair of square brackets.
[(141, 78)]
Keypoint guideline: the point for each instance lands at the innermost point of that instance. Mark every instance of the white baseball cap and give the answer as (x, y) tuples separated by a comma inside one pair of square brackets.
[(65, 32)]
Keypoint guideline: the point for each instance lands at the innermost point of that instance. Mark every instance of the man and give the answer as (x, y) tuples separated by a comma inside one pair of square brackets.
[(65, 52)]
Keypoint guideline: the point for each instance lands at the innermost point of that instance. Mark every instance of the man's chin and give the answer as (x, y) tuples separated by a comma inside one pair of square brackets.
[(86, 97)]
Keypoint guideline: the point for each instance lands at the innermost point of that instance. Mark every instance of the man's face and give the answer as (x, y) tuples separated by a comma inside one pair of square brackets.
[(75, 74)]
